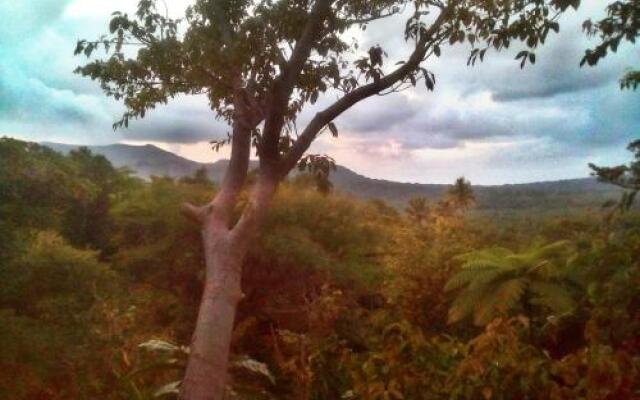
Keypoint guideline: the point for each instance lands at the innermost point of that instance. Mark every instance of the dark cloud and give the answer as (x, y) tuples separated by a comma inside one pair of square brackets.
[(380, 114), (24, 98), (185, 120), (558, 72), (548, 88), (172, 129), (440, 124), (554, 101)]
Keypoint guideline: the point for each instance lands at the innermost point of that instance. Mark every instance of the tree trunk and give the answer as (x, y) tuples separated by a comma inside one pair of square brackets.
[(205, 376), (224, 250)]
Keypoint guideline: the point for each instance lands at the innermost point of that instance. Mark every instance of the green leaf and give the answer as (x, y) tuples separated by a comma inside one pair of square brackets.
[(333, 129), (79, 48), (429, 83)]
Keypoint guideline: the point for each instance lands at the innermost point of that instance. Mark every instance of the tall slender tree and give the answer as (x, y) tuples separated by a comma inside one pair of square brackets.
[(259, 63), (461, 194)]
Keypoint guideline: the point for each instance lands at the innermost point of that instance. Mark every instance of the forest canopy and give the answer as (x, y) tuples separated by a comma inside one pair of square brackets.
[(101, 279)]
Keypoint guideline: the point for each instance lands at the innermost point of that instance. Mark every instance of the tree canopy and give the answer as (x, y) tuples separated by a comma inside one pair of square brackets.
[(267, 60)]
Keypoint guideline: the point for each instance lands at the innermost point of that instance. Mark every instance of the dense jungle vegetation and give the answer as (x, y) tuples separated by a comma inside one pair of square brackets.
[(100, 280)]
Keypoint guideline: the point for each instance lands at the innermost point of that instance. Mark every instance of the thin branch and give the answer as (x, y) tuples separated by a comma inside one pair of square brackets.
[(356, 21), (193, 213), (116, 41), (322, 118), (303, 46)]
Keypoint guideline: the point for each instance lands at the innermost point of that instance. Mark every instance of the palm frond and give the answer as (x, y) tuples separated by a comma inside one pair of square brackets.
[(463, 306), (462, 278), (555, 251), (492, 277), (499, 300), (476, 276), (493, 281), (489, 253), (553, 296), (509, 293), (486, 309)]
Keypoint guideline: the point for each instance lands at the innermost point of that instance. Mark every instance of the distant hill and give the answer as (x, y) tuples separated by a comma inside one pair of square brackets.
[(150, 160), (144, 160)]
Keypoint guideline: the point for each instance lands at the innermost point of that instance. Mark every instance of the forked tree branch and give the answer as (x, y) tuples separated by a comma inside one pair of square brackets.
[(244, 122), (322, 118), (284, 84), (193, 213), (302, 49)]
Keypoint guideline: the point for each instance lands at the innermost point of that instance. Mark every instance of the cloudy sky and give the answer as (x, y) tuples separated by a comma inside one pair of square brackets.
[(493, 123)]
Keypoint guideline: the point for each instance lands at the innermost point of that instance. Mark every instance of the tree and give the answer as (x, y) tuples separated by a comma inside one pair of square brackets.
[(622, 23), (82, 182), (461, 194), (86, 223), (199, 177), (259, 64), (497, 281), (626, 177)]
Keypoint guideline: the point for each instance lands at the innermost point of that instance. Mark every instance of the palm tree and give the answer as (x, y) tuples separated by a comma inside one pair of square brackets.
[(495, 282), (461, 194)]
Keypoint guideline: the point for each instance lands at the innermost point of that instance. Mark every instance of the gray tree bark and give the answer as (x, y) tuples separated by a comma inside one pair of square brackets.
[(224, 250), (205, 376)]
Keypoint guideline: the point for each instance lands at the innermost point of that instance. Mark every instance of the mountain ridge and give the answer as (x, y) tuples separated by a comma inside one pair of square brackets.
[(149, 160)]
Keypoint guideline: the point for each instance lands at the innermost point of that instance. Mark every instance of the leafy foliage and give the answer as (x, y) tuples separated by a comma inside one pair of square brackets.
[(47, 305), (237, 52), (621, 24), (624, 176), (461, 194), (343, 299), (496, 281)]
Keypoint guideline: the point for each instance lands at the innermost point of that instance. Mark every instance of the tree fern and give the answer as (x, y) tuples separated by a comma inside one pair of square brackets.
[(553, 296), (497, 281), (509, 293), (464, 305), (473, 276)]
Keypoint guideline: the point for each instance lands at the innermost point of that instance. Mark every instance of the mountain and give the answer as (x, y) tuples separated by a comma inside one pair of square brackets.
[(557, 195), (145, 161), (149, 160)]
